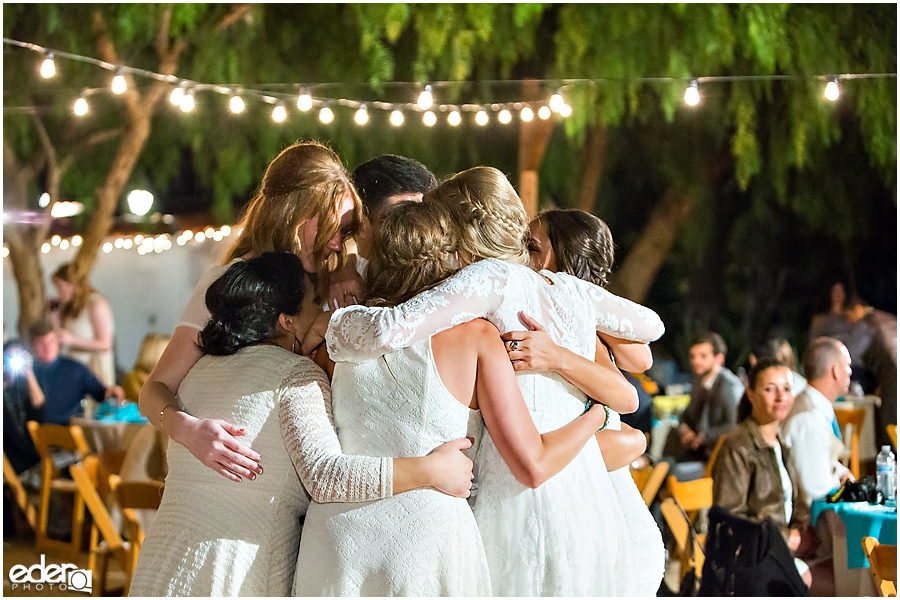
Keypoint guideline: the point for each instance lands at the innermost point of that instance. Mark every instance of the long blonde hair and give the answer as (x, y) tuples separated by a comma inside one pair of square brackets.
[(305, 181), (414, 249), (490, 216)]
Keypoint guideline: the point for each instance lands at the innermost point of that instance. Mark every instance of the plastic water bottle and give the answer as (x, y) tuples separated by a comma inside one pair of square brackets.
[(886, 471)]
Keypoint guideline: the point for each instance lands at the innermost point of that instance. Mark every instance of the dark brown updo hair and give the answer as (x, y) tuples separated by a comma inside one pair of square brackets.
[(582, 244), (767, 362), (414, 249)]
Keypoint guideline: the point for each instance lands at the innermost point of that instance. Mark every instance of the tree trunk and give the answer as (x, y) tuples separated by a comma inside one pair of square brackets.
[(594, 159), (533, 138), (636, 275)]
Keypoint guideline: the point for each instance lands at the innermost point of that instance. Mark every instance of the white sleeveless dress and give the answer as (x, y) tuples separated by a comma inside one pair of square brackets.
[(419, 543), (568, 537), (215, 537), (102, 364)]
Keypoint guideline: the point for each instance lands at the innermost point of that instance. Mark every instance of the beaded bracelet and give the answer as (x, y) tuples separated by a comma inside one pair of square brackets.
[(587, 407)]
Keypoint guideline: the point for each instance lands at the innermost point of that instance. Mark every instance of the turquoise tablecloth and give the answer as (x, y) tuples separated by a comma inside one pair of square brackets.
[(862, 519)]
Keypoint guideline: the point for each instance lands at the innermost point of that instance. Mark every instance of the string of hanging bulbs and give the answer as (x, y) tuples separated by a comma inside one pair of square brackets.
[(184, 93)]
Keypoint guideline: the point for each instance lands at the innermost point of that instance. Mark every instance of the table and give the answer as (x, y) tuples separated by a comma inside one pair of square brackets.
[(849, 522), (107, 436), (665, 417)]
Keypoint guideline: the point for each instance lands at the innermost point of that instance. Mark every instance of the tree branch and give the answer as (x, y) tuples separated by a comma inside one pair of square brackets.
[(98, 137), (162, 36), (107, 51), (236, 14)]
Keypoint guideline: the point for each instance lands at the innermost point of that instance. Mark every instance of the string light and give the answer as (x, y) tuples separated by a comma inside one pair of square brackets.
[(55, 240), (304, 102), (692, 94), (48, 67), (81, 107), (527, 114), (481, 118), (119, 85), (425, 98), (544, 112), (504, 117), (236, 104), (454, 118), (5, 251), (832, 91), (177, 94), (279, 113), (187, 103), (362, 115), (556, 102), (76, 240), (64, 245), (396, 118), (45, 247), (199, 237), (127, 243), (44, 200), (429, 118), (325, 115), (565, 110)]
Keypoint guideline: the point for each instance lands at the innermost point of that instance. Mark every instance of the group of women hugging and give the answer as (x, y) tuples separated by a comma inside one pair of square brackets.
[(456, 433)]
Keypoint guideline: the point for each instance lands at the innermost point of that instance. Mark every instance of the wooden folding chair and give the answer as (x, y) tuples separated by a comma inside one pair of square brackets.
[(689, 545), (133, 496), (883, 565), (20, 494), (854, 418), (649, 479), (692, 495), (707, 471), (68, 437), (85, 475), (892, 433)]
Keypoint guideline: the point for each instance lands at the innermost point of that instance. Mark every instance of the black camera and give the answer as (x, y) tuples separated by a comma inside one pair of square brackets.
[(863, 490)]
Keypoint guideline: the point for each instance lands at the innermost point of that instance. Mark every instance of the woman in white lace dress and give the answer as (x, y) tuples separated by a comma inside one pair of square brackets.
[(580, 244), (217, 537), (568, 536), (423, 543)]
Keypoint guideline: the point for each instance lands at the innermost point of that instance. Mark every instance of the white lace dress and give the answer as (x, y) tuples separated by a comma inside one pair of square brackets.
[(568, 537), (215, 537), (419, 543)]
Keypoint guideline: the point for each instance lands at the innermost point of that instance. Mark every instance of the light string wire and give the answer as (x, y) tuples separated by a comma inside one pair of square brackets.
[(274, 97)]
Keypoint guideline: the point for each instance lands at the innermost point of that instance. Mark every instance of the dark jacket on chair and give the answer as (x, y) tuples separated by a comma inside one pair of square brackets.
[(747, 482)]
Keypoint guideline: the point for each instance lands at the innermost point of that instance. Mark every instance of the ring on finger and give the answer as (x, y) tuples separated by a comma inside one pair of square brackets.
[(514, 345)]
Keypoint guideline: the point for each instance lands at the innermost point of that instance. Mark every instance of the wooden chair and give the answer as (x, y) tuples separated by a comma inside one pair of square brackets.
[(883, 564), (692, 495), (689, 545), (85, 475), (707, 471), (854, 418), (68, 437), (133, 496), (19, 492), (649, 480), (892, 433)]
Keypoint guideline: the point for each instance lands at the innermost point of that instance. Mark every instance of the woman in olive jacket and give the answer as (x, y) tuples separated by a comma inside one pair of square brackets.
[(753, 476)]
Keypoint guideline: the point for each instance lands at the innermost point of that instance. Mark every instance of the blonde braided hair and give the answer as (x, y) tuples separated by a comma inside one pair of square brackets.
[(489, 213)]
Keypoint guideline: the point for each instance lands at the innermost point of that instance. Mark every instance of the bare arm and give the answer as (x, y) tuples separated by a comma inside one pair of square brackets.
[(211, 441), (598, 378), (633, 357), (621, 448), (102, 324)]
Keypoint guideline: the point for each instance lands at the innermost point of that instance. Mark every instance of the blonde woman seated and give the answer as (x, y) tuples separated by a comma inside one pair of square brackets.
[(753, 476), (152, 347)]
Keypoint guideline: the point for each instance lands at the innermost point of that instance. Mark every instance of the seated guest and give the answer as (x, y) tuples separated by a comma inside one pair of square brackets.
[(152, 347), (715, 392), (753, 476), (781, 349), (22, 397), (64, 381), (811, 428)]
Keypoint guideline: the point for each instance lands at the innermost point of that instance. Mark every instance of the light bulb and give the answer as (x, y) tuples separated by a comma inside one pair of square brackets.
[(177, 95), (304, 102), (76, 240), (55, 240), (692, 94), (236, 104), (556, 102), (425, 98), (139, 202), (429, 118), (44, 200), (107, 247), (48, 67), (527, 114), (119, 85), (565, 110), (454, 118), (481, 118), (187, 103), (396, 118), (81, 107), (5, 251), (832, 91), (64, 245), (325, 115), (362, 115), (279, 113), (45, 247), (504, 116), (544, 112)]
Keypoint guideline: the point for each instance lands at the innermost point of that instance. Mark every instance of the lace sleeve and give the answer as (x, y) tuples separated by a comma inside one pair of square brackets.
[(308, 433), (358, 333), (620, 317)]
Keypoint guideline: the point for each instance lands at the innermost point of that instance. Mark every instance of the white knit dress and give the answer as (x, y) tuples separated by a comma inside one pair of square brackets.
[(216, 537)]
